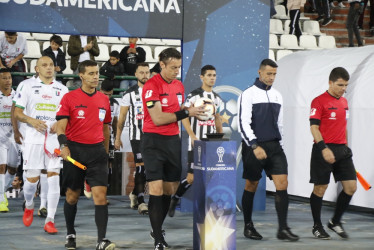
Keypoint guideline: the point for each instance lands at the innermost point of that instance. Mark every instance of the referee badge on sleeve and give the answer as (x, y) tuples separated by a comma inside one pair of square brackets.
[(102, 113)]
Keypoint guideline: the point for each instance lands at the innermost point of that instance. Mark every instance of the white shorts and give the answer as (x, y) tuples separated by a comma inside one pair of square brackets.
[(10, 154), (34, 157)]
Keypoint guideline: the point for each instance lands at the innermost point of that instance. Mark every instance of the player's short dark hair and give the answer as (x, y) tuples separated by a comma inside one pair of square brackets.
[(57, 39), (10, 33), (268, 62), (206, 68), (142, 64), (169, 53), (88, 63), (20, 177), (4, 70), (337, 73), (107, 85), (114, 53)]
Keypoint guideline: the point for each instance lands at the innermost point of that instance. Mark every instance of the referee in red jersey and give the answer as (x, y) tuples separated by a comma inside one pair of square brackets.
[(162, 98), (330, 153), (83, 133)]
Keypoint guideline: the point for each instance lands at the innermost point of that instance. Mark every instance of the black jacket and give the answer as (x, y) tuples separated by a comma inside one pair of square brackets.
[(130, 60), (59, 61), (110, 70)]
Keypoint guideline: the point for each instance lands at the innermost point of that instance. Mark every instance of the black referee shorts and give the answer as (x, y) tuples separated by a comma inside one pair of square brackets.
[(343, 168), (274, 164), (94, 157), (162, 157), (135, 145)]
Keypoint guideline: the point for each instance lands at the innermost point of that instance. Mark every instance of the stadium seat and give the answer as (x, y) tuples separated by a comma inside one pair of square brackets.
[(171, 42), (289, 42), (152, 41), (67, 56), (65, 38), (281, 12), (148, 54), (107, 39), (25, 62), (33, 50), (276, 26), (308, 42), (287, 26), (327, 42), (273, 42), (124, 40), (68, 69), (104, 53), (26, 35), (42, 36), (32, 65), (158, 50), (311, 27), (117, 47), (283, 53), (271, 55)]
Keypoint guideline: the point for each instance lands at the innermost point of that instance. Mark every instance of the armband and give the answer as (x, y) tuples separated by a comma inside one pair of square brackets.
[(321, 145), (181, 114), (62, 139)]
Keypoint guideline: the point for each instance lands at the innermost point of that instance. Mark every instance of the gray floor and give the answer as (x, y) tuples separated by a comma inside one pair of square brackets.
[(129, 230)]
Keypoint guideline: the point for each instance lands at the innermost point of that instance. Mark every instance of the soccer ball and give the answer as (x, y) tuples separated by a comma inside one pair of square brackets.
[(209, 108)]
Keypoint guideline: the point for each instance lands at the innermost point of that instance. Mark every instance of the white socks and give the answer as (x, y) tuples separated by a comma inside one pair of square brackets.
[(53, 196), (2, 191), (29, 190), (43, 190), (8, 180)]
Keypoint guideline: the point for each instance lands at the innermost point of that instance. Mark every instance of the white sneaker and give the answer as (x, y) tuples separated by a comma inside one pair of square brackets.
[(143, 208), (341, 5), (332, 5)]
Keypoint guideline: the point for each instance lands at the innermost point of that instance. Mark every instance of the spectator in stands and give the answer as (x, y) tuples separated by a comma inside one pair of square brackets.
[(156, 69), (57, 55), (340, 4), (130, 56), (81, 48), (323, 10), (12, 49), (113, 67), (16, 190), (355, 9), (361, 19), (295, 7)]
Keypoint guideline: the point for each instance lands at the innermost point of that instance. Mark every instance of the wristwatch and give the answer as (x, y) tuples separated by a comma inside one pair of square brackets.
[(254, 146)]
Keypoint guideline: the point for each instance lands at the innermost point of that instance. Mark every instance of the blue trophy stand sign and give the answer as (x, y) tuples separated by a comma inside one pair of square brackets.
[(214, 202)]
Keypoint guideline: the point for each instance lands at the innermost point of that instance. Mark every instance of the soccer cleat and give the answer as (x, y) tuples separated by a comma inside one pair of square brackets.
[(87, 190), (159, 246), (42, 212), (133, 201), (70, 243), (105, 244), (6, 200), (50, 228), (143, 208), (173, 205), (286, 234), (337, 228), (326, 22), (4, 207), (320, 233), (319, 18), (28, 216), (251, 233), (164, 243)]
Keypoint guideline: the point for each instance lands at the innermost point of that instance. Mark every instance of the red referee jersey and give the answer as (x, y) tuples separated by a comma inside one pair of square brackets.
[(87, 114), (333, 114), (170, 96)]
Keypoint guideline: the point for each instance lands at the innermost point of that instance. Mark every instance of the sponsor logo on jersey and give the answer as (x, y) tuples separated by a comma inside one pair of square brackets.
[(81, 114), (57, 93), (5, 115), (36, 87), (7, 106), (47, 97), (45, 118), (332, 116), (206, 123), (35, 92), (46, 107), (148, 93), (81, 106), (139, 117)]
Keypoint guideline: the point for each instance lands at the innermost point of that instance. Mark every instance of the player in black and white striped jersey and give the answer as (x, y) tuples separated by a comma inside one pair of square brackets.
[(198, 129), (132, 107)]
